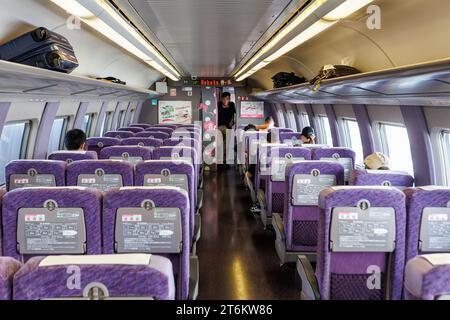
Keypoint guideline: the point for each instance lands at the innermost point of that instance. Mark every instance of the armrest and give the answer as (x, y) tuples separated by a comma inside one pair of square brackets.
[(262, 198), (278, 225), (310, 287), (193, 277)]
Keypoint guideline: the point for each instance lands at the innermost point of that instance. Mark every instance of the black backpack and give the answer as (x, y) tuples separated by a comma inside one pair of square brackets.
[(285, 79), (330, 72)]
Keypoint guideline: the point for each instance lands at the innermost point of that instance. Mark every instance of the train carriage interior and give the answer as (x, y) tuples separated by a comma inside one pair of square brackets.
[(224, 150)]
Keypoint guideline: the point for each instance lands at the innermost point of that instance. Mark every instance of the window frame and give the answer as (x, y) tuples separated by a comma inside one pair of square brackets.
[(107, 121), (304, 119), (131, 117), (345, 133), (64, 128), (120, 118), (445, 155), (88, 128), (320, 120), (383, 142), (25, 140)]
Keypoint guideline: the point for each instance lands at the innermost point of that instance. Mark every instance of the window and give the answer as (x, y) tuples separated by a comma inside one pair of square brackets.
[(353, 139), (291, 116), (395, 143), (325, 136), (305, 120), (87, 123), (445, 145), (106, 123), (120, 119), (59, 129), (13, 144)]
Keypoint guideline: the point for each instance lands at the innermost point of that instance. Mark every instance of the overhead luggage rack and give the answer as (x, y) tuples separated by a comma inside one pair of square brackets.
[(427, 84), (17, 79)]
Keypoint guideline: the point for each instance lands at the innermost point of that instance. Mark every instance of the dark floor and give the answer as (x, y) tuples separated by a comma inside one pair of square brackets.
[(237, 257)]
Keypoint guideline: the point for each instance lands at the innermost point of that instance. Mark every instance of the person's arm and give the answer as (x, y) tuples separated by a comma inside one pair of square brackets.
[(264, 126)]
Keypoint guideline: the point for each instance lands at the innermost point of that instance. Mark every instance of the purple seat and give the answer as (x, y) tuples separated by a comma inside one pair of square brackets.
[(97, 144), (143, 142), (140, 125), (277, 160), (35, 173), (153, 134), (361, 248), (427, 277), (428, 216), (8, 268), (344, 156), (133, 154), (171, 174), (251, 141), (296, 230), (398, 179), (292, 138), (131, 129), (180, 133), (184, 153), (172, 126), (113, 276), (180, 142), (119, 134), (71, 156), (160, 129), (30, 214), (2, 193), (100, 174), (138, 204)]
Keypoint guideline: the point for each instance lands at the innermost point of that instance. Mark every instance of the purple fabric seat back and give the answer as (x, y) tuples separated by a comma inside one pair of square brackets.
[(174, 142), (427, 277), (140, 125), (8, 268), (300, 221), (180, 133), (275, 189), (109, 167), (143, 142), (153, 134), (131, 129), (97, 144), (89, 200), (71, 156), (336, 153), (291, 137), (40, 167), (363, 177), (417, 200), (126, 152), (160, 129), (2, 193), (170, 153), (171, 126), (39, 279), (119, 134), (161, 198), (345, 275), (157, 167)]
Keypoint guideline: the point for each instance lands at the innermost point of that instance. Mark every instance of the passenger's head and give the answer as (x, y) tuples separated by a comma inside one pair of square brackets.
[(377, 161), (75, 140), (250, 127), (269, 120), (308, 136), (226, 97)]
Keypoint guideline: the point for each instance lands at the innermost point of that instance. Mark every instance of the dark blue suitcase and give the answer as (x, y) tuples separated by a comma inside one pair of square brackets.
[(41, 48)]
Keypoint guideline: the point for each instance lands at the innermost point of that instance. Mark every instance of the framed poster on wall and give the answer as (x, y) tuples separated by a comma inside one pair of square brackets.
[(175, 112), (252, 109)]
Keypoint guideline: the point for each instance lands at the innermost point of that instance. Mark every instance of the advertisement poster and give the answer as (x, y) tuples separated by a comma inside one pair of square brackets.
[(252, 109), (175, 112)]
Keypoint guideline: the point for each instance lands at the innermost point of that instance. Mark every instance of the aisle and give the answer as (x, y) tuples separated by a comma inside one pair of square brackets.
[(237, 257)]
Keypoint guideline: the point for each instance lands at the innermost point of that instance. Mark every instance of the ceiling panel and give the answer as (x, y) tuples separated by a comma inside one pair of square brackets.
[(208, 37)]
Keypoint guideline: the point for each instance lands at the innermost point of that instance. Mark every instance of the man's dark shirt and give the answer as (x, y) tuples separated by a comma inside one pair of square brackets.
[(226, 115)]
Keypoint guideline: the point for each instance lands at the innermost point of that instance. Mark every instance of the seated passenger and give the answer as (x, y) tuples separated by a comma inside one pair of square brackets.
[(308, 136), (268, 124), (377, 161), (75, 140)]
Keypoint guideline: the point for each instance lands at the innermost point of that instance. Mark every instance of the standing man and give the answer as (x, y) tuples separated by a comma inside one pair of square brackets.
[(226, 114)]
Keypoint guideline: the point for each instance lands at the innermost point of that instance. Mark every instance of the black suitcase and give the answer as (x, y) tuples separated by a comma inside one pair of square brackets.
[(330, 72), (285, 79), (41, 48)]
